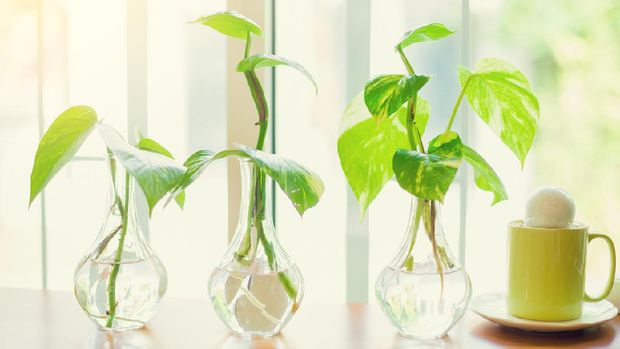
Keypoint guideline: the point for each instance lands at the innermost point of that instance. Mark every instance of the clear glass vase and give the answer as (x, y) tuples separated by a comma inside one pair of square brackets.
[(120, 282), (257, 287), (424, 291)]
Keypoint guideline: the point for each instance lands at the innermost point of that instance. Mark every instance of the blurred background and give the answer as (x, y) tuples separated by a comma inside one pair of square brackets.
[(139, 64)]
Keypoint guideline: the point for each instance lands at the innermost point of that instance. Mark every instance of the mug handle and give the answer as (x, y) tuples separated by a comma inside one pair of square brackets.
[(612, 269)]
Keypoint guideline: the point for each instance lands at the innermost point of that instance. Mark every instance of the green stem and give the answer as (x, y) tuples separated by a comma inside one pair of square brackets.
[(413, 134), (458, 103), (258, 95), (408, 263), (405, 60), (117, 258), (415, 139), (117, 198), (248, 43), (257, 200), (430, 215)]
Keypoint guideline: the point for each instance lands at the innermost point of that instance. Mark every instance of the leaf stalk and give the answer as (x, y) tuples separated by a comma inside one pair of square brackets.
[(458, 103), (117, 258)]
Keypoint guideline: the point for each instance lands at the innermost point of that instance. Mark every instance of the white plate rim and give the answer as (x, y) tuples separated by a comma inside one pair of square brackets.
[(508, 320)]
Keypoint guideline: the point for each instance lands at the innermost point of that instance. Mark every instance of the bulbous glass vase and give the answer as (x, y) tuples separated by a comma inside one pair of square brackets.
[(424, 291), (120, 282), (257, 287)]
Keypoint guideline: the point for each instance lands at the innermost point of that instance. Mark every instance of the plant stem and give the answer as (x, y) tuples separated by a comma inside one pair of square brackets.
[(405, 60), (257, 201), (430, 215), (117, 258), (410, 124), (408, 263), (112, 162), (413, 134), (258, 95), (415, 140), (458, 103), (248, 43)]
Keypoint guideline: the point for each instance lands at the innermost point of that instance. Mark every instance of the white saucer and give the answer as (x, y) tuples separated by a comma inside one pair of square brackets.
[(492, 306)]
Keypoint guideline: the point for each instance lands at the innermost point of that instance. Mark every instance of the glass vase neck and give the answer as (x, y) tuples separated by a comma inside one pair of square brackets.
[(424, 245), (120, 229), (255, 206), (255, 245)]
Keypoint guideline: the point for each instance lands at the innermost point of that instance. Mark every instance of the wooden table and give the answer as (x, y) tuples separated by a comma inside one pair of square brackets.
[(37, 319)]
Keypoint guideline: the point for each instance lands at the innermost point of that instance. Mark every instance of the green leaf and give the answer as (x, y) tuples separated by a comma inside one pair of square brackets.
[(484, 175), (180, 199), (197, 163), (155, 173), (151, 145), (428, 176), (266, 60), (502, 96), (385, 94), (302, 186), (366, 146), (231, 23), (59, 144), (429, 32)]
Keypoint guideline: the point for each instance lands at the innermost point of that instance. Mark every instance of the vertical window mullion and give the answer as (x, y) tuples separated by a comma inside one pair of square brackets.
[(41, 124), (358, 70), (465, 53), (136, 27)]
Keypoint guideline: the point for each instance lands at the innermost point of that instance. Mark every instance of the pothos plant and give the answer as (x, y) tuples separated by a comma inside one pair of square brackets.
[(302, 186), (148, 162), (382, 132)]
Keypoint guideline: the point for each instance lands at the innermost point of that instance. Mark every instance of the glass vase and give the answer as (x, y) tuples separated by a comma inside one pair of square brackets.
[(257, 287), (120, 282), (424, 291)]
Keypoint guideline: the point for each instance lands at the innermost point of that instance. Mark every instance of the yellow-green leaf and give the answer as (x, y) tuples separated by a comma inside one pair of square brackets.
[(366, 146), (59, 144), (502, 97), (302, 186), (267, 60), (428, 176), (385, 94), (231, 23), (156, 174), (429, 32), (484, 175), (151, 145)]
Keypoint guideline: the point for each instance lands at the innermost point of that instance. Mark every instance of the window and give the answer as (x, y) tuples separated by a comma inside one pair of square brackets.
[(140, 65)]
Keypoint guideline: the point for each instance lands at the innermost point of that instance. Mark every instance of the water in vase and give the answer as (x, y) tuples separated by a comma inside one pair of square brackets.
[(255, 303), (140, 285)]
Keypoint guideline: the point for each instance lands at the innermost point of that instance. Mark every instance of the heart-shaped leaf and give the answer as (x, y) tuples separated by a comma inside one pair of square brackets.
[(428, 176), (155, 173), (197, 163), (429, 32), (59, 144), (231, 23), (151, 145), (484, 175), (302, 186), (267, 60), (366, 146), (385, 94), (502, 96)]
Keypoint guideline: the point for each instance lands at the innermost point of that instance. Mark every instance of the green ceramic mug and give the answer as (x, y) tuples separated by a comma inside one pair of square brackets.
[(546, 271)]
